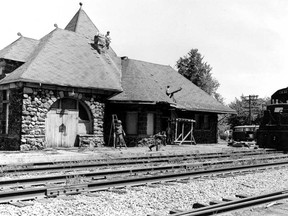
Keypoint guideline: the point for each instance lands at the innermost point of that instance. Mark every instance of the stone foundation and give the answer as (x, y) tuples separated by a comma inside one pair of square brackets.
[(90, 141)]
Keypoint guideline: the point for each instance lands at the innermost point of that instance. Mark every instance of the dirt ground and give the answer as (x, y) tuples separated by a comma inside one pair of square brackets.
[(51, 155)]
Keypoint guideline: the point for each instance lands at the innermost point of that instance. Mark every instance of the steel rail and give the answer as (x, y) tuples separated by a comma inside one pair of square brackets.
[(98, 185), (236, 204), (132, 171), (198, 156), (119, 162)]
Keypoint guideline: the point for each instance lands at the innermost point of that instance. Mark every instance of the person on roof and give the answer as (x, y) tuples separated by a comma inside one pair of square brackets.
[(107, 39), (170, 93)]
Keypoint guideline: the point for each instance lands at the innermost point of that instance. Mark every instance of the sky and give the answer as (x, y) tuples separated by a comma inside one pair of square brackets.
[(244, 41)]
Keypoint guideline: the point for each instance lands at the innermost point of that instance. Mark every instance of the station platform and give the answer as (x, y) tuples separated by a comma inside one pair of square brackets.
[(75, 154)]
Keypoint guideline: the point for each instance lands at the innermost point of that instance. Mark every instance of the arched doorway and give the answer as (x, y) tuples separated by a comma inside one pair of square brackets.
[(66, 118)]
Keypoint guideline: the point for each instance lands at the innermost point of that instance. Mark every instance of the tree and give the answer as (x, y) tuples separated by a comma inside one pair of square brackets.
[(198, 72), (243, 109)]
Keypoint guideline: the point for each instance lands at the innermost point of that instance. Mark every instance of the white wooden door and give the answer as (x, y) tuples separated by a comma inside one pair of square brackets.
[(70, 121), (61, 128), (53, 136)]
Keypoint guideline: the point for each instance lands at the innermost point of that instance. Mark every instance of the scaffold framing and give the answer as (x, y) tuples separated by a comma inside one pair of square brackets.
[(182, 137)]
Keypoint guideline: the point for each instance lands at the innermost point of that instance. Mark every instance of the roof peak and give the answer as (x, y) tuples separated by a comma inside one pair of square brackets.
[(82, 24)]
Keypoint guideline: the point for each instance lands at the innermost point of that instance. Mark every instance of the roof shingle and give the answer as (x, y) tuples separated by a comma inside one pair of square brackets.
[(66, 58), (143, 81)]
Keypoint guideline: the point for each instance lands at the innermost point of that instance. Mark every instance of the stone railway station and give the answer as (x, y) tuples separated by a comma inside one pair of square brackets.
[(62, 90)]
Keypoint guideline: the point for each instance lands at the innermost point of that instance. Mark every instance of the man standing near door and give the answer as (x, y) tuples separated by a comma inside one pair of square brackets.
[(120, 133)]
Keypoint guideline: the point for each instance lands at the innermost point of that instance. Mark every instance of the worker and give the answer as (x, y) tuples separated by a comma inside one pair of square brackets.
[(107, 39), (169, 134), (159, 139), (170, 93), (120, 133)]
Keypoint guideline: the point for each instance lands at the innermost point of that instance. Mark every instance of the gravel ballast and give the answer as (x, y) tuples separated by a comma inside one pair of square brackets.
[(147, 200)]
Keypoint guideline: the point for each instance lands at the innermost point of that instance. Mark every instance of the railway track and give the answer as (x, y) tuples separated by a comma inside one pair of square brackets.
[(69, 165), (60, 178), (41, 188), (238, 202)]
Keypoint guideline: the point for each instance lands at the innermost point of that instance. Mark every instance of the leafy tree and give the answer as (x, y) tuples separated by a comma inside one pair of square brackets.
[(242, 108), (197, 71)]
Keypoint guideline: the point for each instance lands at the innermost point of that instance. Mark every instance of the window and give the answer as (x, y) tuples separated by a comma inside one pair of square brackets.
[(206, 122), (83, 115), (67, 103), (2, 67), (150, 123), (5, 112), (131, 123), (198, 123), (202, 121)]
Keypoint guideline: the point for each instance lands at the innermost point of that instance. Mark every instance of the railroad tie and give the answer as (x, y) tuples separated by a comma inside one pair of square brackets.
[(175, 211), (168, 183), (118, 191), (228, 199), (20, 204), (241, 195), (183, 181), (153, 185), (215, 202), (89, 194), (198, 205)]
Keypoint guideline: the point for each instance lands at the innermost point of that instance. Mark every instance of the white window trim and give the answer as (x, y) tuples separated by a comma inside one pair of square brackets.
[(7, 111)]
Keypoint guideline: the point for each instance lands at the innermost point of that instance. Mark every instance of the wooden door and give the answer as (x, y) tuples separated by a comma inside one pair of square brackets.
[(70, 122), (61, 128), (53, 136)]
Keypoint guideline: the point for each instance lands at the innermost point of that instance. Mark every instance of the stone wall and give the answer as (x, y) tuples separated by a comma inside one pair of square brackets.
[(97, 109), (36, 104)]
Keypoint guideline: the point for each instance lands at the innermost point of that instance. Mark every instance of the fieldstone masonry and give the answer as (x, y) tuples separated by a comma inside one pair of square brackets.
[(97, 139), (36, 104)]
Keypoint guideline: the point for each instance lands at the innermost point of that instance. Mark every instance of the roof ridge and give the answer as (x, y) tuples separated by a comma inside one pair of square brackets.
[(29, 38), (149, 62), (70, 24), (76, 20)]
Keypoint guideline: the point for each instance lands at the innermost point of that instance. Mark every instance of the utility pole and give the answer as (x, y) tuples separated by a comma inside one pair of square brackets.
[(250, 99)]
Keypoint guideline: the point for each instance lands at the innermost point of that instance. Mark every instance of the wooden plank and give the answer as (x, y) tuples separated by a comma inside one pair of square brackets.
[(52, 123), (71, 123)]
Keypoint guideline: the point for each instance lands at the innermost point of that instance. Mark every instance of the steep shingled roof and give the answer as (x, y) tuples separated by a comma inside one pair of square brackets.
[(82, 24), (65, 58), (19, 50), (144, 81)]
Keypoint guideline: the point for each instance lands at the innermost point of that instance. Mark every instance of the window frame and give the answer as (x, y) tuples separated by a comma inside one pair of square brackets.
[(6, 104), (136, 123)]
